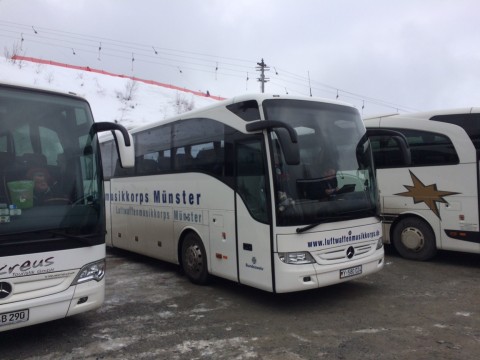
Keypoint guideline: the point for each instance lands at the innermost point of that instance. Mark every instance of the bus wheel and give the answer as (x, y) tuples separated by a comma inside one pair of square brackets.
[(414, 239), (194, 259)]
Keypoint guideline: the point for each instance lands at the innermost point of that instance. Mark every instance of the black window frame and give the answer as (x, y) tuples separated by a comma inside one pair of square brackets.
[(421, 156)]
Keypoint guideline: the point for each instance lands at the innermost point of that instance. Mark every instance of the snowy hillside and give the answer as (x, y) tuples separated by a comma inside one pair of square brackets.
[(130, 103)]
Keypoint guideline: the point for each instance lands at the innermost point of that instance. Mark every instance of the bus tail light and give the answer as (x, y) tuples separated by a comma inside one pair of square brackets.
[(296, 258), (94, 271)]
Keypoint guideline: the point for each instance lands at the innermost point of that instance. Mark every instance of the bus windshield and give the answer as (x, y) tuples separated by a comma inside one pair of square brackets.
[(49, 168), (335, 177)]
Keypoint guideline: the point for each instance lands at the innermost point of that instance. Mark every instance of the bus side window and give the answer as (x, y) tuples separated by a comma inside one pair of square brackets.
[(146, 166), (150, 150), (386, 153), (183, 159), (106, 150), (211, 158), (430, 149), (164, 161)]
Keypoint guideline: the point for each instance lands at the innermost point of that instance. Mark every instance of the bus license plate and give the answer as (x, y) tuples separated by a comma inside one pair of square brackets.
[(345, 273), (13, 317)]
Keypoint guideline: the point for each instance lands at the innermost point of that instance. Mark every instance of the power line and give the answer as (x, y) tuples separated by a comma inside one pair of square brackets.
[(153, 54), (147, 48)]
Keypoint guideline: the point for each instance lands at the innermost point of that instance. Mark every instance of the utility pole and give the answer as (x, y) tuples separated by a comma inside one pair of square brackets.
[(262, 67)]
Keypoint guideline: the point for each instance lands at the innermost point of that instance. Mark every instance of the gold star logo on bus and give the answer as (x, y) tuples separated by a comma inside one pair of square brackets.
[(428, 194)]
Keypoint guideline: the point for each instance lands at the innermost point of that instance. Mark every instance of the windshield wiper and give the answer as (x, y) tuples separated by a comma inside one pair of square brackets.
[(324, 220), (308, 227)]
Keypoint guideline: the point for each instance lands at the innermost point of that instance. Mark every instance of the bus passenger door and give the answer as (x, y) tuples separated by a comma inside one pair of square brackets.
[(252, 220)]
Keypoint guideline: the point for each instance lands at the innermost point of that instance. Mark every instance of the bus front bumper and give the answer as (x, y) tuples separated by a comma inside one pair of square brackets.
[(74, 300), (289, 277)]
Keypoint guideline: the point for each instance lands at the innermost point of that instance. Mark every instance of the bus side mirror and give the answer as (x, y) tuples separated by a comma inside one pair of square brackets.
[(291, 151), (123, 141), (397, 137), (126, 154), (286, 134)]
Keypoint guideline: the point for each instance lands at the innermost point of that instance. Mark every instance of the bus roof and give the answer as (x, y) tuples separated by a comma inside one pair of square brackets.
[(427, 115), (246, 97), (41, 89)]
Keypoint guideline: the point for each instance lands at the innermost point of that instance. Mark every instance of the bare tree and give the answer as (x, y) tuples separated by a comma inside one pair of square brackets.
[(128, 93), (49, 77), (10, 54), (100, 89), (38, 68), (126, 97), (182, 104)]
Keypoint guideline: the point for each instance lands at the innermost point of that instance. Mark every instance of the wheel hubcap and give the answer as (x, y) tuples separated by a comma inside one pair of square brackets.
[(413, 239), (194, 259)]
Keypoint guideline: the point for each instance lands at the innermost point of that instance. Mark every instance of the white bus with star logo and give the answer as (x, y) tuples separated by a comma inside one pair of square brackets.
[(432, 202)]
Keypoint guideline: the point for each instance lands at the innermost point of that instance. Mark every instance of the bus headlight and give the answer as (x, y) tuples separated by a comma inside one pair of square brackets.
[(296, 258), (380, 243), (94, 271)]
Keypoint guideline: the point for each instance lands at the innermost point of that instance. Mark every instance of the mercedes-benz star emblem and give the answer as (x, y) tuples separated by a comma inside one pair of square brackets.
[(350, 252), (5, 290)]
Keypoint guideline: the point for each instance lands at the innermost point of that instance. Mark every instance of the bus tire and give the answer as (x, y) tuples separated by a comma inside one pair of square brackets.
[(414, 239), (194, 259)]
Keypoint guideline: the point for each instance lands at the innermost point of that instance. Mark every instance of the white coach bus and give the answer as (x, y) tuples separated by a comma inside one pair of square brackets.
[(52, 215), (431, 203), (274, 192)]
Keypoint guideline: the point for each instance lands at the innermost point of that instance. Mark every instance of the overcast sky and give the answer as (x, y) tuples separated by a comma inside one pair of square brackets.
[(410, 54)]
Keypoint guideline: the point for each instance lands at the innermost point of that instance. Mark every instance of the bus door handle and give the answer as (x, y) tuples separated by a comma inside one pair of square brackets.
[(247, 247)]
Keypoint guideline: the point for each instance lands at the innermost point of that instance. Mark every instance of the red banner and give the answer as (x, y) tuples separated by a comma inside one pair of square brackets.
[(88, 68)]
